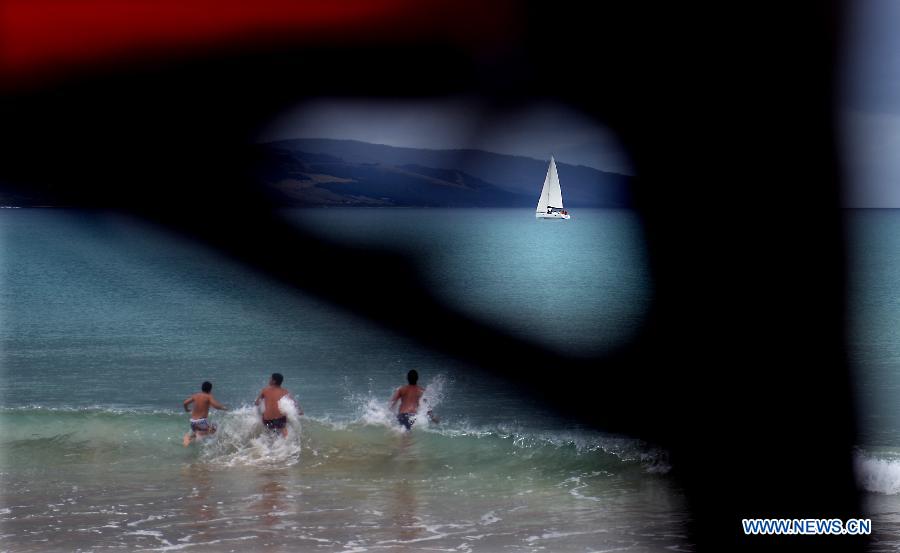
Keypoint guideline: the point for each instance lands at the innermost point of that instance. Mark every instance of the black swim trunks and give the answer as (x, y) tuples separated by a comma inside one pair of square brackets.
[(275, 424), (406, 420)]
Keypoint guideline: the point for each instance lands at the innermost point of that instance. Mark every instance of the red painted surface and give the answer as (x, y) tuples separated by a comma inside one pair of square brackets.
[(47, 36)]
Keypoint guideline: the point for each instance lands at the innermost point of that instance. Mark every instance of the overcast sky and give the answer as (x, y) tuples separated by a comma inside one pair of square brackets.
[(536, 131), (871, 104)]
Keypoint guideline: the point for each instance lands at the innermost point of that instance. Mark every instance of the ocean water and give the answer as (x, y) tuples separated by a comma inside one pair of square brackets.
[(874, 339), (108, 324)]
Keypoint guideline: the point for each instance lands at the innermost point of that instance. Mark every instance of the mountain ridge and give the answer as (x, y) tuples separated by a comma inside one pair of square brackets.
[(364, 173)]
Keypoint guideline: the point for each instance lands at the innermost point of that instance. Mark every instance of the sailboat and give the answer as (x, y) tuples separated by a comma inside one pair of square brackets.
[(550, 204)]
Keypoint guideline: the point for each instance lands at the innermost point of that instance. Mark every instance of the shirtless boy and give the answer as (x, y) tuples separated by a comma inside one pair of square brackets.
[(272, 417), (200, 425), (409, 397)]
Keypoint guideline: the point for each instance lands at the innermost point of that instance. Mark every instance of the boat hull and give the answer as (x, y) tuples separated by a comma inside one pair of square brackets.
[(554, 215)]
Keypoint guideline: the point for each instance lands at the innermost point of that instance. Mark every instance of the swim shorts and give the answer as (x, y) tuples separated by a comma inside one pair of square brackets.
[(200, 425), (275, 424), (406, 420)]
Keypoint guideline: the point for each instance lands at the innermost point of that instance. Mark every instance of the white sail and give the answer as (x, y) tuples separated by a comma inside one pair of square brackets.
[(551, 195)]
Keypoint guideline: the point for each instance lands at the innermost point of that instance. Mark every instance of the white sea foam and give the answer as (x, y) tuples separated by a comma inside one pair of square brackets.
[(557, 535), (375, 411), (151, 533), (490, 518), (289, 408), (150, 518), (434, 393), (243, 440), (878, 475), (170, 547)]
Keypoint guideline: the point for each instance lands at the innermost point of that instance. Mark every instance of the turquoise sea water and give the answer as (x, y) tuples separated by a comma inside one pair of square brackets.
[(108, 323), (874, 340)]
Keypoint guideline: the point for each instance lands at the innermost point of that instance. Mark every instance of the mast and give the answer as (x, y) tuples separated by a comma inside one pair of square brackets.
[(544, 199)]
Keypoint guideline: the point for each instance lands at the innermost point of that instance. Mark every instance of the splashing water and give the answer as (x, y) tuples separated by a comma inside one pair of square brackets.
[(243, 440), (877, 474), (375, 411), (287, 406), (434, 393)]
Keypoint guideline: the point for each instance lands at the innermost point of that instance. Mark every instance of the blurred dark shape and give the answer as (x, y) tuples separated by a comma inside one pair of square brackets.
[(741, 369)]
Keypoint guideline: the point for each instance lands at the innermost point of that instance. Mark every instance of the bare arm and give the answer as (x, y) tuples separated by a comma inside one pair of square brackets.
[(216, 404), (262, 394), (187, 402), (394, 399)]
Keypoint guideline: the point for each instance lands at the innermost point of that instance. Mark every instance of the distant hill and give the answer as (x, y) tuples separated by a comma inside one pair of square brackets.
[(347, 172)]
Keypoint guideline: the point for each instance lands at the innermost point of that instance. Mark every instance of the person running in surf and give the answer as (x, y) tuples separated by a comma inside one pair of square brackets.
[(273, 418), (200, 425), (409, 397)]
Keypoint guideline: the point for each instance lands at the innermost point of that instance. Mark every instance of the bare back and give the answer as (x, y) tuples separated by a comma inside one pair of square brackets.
[(270, 396), (201, 404), (409, 396)]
